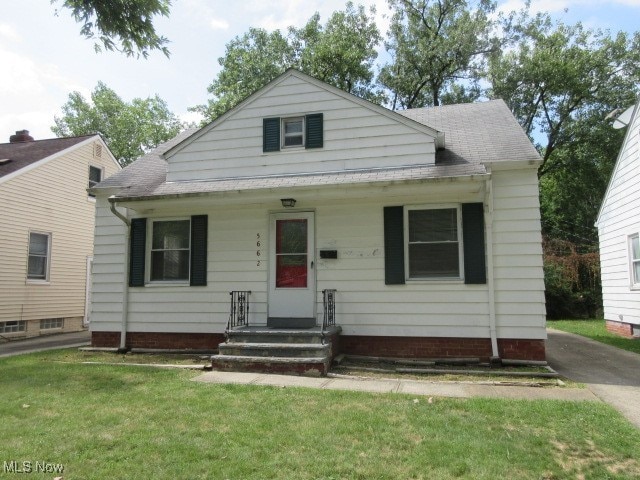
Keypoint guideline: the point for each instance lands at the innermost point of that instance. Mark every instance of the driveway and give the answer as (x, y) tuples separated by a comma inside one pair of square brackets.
[(610, 373), (45, 342)]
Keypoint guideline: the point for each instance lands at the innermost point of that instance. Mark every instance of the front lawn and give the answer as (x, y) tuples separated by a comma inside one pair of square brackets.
[(596, 330), (106, 421)]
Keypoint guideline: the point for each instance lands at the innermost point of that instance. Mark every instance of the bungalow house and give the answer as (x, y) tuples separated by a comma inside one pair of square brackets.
[(619, 234), (411, 234), (46, 231)]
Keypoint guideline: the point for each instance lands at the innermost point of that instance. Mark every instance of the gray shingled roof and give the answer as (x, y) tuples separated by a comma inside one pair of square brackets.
[(23, 154), (474, 134), (146, 173), (477, 132)]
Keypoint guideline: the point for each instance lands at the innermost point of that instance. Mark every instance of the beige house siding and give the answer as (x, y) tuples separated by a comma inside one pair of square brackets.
[(49, 198)]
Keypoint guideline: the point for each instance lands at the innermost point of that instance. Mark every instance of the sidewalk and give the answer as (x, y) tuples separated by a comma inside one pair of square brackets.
[(45, 342), (411, 387)]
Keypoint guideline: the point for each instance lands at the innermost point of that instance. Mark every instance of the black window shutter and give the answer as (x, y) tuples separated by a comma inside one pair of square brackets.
[(198, 251), (138, 243), (270, 134), (393, 246), (314, 133), (473, 243)]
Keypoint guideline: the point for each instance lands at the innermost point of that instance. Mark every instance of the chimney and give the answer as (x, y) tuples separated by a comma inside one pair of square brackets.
[(21, 136)]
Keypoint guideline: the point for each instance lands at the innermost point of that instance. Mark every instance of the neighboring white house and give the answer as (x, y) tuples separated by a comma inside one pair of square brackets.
[(425, 222), (619, 231), (46, 231)]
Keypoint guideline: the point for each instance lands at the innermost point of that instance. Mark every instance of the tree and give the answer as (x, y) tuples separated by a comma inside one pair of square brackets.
[(340, 53), (122, 25), (438, 48), (129, 129), (559, 74)]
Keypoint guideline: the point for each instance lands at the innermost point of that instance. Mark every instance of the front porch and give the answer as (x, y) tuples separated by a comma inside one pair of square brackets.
[(302, 348)]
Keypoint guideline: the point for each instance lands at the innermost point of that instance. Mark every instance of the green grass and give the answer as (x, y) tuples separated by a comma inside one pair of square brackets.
[(105, 421), (596, 330)]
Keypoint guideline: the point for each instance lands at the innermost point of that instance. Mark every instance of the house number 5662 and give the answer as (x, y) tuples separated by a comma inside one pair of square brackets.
[(258, 244)]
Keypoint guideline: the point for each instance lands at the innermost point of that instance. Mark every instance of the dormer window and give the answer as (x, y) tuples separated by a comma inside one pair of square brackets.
[(292, 132)]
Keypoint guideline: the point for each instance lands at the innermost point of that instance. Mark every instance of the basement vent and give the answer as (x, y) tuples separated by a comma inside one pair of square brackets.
[(97, 150), (4, 161)]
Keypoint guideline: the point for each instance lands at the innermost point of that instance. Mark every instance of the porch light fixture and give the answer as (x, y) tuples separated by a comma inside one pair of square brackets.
[(288, 202)]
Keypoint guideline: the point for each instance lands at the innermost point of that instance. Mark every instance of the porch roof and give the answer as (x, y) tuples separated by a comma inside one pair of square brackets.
[(339, 178)]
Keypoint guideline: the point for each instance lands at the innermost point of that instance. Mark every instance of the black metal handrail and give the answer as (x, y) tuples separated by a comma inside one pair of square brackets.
[(329, 304), (239, 315)]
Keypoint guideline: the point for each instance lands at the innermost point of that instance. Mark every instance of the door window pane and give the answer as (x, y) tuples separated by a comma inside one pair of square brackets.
[(291, 253)]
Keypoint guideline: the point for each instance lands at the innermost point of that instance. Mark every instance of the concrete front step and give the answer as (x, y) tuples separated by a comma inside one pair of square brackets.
[(291, 350), (280, 335), (307, 366)]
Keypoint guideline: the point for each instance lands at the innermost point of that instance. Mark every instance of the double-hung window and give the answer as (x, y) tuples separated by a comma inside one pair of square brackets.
[(434, 247), (39, 256), (634, 260), (170, 250), (292, 132)]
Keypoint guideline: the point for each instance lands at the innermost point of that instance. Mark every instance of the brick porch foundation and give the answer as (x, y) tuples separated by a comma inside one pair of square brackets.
[(196, 341), (620, 328), (403, 347), (441, 347)]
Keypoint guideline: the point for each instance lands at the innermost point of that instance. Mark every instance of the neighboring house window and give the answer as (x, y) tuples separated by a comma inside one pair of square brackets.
[(13, 327), (634, 259), (170, 249), (50, 323), (292, 132), (39, 256), (303, 131), (95, 177), (433, 242)]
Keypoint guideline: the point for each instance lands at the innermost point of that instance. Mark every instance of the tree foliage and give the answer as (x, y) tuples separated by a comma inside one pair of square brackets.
[(122, 25), (129, 129), (438, 49), (341, 53), (558, 76)]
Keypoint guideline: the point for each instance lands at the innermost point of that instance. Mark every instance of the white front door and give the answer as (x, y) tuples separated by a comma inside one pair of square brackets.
[(292, 280)]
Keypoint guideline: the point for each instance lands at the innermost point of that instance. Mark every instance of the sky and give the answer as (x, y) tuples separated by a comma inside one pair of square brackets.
[(43, 57)]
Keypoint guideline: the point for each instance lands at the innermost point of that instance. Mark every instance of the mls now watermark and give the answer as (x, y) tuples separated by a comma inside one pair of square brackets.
[(15, 466)]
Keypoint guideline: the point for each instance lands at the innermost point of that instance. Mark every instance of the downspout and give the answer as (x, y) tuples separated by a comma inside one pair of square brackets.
[(488, 221), (125, 276)]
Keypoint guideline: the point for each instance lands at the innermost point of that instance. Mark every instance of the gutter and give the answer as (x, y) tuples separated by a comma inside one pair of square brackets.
[(488, 221), (125, 280)]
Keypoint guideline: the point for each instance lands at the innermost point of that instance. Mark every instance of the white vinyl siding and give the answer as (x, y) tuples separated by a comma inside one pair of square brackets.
[(355, 137), (49, 198), (351, 222), (618, 220)]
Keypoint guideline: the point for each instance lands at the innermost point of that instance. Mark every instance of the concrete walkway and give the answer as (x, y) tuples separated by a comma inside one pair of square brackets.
[(411, 387), (612, 374), (45, 342)]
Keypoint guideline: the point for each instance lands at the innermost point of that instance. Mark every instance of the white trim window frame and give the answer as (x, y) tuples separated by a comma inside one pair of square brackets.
[(39, 257), (169, 253), (633, 242), (437, 242), (292, 135)]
